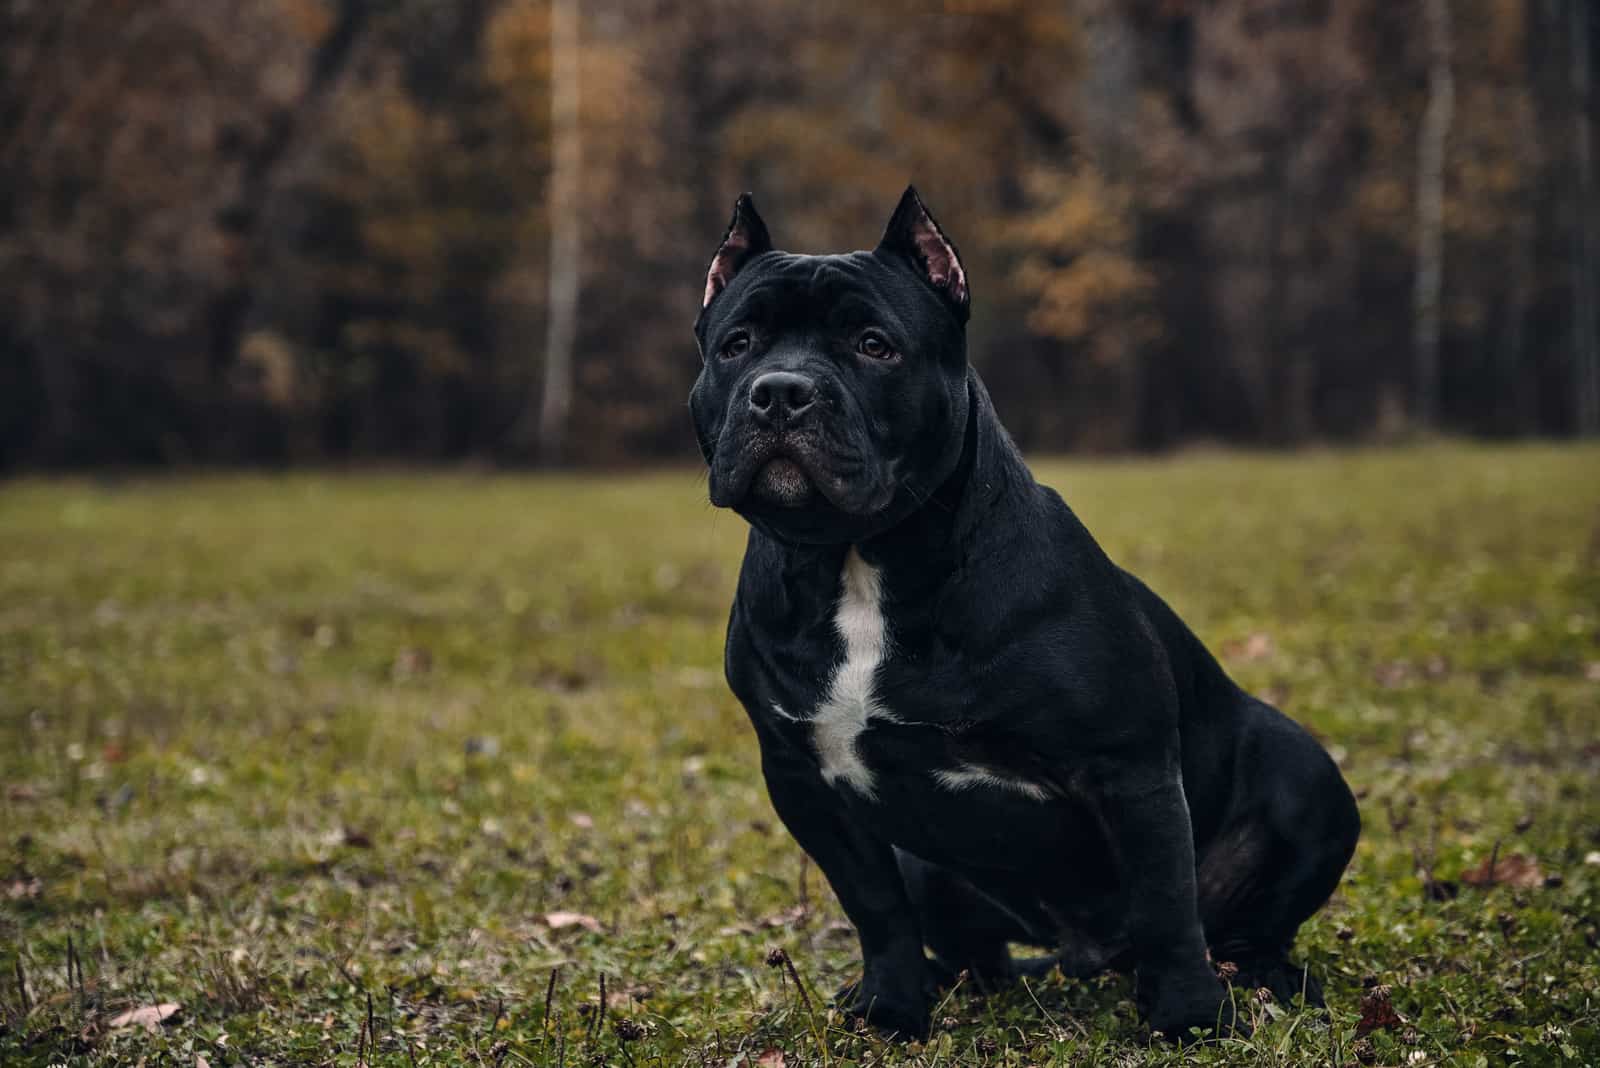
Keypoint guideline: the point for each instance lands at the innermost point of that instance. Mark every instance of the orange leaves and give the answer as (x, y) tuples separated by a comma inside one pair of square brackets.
[(1079, 266), (1513, 869)]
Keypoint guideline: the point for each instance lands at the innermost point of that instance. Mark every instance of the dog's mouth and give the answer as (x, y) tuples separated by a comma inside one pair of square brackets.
[(783, 483), (794, 471)]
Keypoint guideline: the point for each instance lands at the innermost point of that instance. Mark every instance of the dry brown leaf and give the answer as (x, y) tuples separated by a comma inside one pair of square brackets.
[(1510, 869), (1393, 674), (787, 918), (626, 998), (200, 1061), (558, 920), (21, 889), (1257, 646), (772, 1058), (148, 1017), (411, 662)]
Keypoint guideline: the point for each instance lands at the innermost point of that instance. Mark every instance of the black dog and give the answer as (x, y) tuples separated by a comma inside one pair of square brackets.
[(981, 729)]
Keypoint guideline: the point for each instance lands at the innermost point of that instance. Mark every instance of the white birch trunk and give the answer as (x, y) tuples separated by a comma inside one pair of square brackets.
[(1430, 212), (566, 229)]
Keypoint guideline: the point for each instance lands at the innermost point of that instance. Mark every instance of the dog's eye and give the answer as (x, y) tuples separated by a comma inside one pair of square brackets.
[(736, 346), (874, 345)]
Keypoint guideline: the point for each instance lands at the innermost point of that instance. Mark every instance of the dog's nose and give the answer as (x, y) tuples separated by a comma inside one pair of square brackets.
[(779, 397)]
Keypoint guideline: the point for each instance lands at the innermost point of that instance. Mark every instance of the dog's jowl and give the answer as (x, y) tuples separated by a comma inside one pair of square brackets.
[(982, 730)]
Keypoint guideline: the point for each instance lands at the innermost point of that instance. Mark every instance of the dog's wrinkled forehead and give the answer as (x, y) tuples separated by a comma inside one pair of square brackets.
[(782, 292), (914, 275)]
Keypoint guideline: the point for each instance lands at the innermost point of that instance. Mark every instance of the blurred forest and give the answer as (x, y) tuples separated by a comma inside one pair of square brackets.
[(298, 231)]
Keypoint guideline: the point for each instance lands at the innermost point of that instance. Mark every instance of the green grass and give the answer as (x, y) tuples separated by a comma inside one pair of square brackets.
[(271, 747)]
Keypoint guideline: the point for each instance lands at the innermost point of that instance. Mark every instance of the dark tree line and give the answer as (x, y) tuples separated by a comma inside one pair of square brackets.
[(284, 231)]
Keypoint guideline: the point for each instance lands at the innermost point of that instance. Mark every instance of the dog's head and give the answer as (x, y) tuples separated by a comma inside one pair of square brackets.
[(832, 398)]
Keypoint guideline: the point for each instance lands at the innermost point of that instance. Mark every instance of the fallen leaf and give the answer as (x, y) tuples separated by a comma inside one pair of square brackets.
[(558, 920), (787, 918), (583, 821), (1256, 647), (21, 889), (1511, 869), (1391, 675), (200, 1061), (411, 662), (148, 1017), (772, 1058), (623, 999), (1377, 1012), (21, 791)]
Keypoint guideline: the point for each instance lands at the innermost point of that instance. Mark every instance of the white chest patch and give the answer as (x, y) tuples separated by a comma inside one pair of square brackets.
[(850, 702), (973, 777)]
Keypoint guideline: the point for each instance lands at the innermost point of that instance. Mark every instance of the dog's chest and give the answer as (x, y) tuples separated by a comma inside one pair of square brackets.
[(861, 740), (849, 701)]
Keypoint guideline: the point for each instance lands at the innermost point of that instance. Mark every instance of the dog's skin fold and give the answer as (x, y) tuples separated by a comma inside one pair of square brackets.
[(980, 728)]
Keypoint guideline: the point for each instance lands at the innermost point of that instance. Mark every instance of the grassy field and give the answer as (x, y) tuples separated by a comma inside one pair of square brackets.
[(402, 770)]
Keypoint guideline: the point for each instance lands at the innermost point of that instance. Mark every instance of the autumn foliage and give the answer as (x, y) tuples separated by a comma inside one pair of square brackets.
[(281, 231)]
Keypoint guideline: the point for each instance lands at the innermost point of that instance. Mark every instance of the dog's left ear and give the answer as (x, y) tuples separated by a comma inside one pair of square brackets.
[(913, 233), (746, 238)]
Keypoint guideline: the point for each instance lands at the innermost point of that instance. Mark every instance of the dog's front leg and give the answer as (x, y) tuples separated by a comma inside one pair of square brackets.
[(1147, 818), (897, 984)]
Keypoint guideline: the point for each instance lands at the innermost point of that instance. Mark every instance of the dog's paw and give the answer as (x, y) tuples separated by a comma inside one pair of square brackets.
[(1175, 1009), (896, 1007), (1284, 980)]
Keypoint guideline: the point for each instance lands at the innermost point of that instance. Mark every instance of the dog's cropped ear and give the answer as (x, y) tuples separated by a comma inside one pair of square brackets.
[(746, 238), (913, 233)]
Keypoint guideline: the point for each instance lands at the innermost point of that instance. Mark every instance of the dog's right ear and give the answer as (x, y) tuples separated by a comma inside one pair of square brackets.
[(746, 238)]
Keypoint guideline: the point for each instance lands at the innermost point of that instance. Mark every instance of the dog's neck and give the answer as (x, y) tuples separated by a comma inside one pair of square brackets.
[(977, 494)]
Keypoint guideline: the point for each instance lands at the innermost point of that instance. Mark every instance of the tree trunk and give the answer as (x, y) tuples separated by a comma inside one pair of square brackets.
[(1585, 357), (1430, 212), (565, 231), (1106, 98), (1511, 410), (261, 221)]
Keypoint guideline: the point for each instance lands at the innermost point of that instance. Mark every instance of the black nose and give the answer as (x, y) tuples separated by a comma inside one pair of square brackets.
[(779, 397)]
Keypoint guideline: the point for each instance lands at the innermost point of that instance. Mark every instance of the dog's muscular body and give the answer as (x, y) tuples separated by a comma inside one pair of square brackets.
[(981, 728)]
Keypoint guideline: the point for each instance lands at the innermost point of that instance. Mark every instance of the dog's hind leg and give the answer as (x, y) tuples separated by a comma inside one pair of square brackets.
[(965, 929), (1277, 858)]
